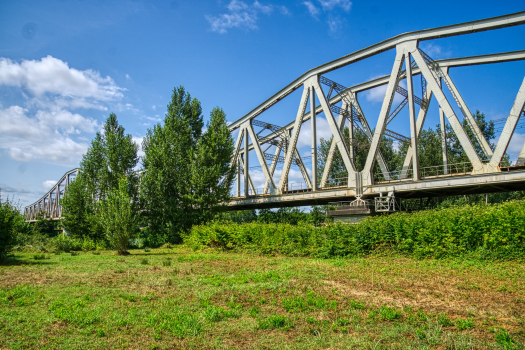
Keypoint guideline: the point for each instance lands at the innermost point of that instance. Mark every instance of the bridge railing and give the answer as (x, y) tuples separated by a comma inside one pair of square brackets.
[(455, 169)]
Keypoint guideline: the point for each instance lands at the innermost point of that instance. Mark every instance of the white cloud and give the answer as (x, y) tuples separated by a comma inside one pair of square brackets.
[(240, 15), (45, 128), (334, 24), (323, 131), (49, 184), (328, 6), (154, 107), (377, 94), (54, 76), (42, 137), (346, 5), (266, 9), (314, 11), (128, 77), (284, 10), (435, 51)]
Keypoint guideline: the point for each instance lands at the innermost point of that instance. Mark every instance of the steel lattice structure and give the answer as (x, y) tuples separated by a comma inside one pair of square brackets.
[(480, 174)]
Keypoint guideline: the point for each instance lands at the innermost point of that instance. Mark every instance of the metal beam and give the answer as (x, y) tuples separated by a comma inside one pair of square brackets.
[(452, 62), (261, 157), (412, 116), (510, 126), (283, 182), (313, 135), (385, 110), (445, 105), (504, 21), (336, 132)]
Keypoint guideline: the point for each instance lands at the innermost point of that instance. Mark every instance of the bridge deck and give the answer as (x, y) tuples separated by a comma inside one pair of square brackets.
[(510, 179)]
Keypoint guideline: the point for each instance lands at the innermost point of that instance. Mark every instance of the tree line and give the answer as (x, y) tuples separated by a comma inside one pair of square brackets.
[(185, 178)]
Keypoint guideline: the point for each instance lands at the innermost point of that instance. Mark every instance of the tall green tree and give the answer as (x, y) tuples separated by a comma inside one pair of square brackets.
[(187, 173), (211, 172), (78, 210), (111, 155)]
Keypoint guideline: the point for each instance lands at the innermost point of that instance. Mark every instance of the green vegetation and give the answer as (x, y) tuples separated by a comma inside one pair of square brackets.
[(111, 157), (187, 173), (118, 214), (480, 231), (216, 300)]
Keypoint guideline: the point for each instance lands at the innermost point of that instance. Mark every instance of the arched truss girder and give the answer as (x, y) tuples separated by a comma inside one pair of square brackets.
[(435, 79)]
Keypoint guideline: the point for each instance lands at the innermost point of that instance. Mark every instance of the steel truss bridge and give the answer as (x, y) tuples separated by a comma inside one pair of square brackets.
[(341, 108)]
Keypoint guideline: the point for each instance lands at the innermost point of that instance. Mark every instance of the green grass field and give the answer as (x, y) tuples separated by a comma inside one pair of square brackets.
[(176, 299)]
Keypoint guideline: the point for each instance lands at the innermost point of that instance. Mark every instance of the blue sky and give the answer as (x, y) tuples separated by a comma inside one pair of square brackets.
[(66, 64)]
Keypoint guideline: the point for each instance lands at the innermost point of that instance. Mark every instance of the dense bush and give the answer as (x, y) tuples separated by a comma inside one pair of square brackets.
[(10, 221), (488, 232)]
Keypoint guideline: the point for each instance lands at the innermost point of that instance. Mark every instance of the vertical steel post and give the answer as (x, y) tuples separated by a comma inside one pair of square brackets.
[(238, 178), (314, 138), (443, 133), (246, 164), (412, 112), (351, 137)]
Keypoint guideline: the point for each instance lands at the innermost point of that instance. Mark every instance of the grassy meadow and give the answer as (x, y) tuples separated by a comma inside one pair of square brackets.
[(180, 299)]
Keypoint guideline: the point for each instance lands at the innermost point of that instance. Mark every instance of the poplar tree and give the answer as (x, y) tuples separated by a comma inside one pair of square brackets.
[(111, 156), (187, 173)]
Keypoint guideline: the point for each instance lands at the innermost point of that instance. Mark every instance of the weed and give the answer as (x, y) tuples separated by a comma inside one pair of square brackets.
[(389, 313), (96, 252), (144, 261), (341, 322), (147, 250), (444, 320), (354, 304), (421, 315), (120, 260), (504, 339), (74, 253), (254, 311), (275, 322), (465, 324), (101, 333), (166, 263), (294, 304), (129, 297)]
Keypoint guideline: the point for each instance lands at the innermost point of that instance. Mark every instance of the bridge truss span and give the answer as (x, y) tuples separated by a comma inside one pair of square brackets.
[(49, 206), (339, 105)]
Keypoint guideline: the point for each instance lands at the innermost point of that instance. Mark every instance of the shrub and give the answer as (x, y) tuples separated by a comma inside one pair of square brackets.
[(119, 217), (484, 232), (66, 244), (88, 244), (10, 219)]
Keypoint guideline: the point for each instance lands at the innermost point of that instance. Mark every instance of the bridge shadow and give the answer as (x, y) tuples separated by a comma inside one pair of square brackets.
[(13, 260)]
